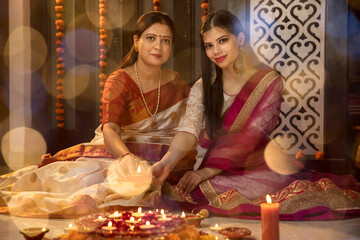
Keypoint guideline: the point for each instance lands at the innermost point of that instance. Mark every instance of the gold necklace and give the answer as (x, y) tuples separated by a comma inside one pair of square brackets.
[(153, 123)]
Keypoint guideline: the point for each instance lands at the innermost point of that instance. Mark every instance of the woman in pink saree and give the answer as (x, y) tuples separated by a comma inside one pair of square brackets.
[(237, 103)]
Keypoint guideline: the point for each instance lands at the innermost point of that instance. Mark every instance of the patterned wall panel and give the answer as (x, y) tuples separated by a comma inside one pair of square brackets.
[(289, 36)]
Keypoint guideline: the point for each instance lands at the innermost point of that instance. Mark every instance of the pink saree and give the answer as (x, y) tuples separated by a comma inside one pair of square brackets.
[(246, 178)]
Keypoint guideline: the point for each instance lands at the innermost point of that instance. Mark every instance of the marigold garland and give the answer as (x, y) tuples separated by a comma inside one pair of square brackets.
[(156, 5), (60, 65), (102, 44), (205, 7), (319, 155), (299, 155)]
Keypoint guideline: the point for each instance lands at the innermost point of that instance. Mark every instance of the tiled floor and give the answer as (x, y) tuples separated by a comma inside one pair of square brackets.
[(289, 230)]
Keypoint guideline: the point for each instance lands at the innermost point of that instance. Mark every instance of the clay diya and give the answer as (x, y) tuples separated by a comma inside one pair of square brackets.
[(193, 219), (34, 233), (235, 232)]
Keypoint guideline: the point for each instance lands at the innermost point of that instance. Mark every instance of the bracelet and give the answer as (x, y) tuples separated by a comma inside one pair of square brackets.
[(125, 154)]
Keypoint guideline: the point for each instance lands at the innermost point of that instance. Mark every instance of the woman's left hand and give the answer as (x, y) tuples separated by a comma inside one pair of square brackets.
[(190, 181)]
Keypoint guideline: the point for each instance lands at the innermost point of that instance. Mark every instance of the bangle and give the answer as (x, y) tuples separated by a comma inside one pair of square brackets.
[(125, 154)]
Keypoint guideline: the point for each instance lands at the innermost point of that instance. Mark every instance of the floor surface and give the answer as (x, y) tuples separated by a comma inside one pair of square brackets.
[(289, 230)]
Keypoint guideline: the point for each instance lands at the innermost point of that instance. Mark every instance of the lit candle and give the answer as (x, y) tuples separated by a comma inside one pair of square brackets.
[(162, 212), (216, 227), (70, 228), (183, 215), (138, 213), (115, 215), (147, 225), (100, 219), (270, 220), (109, 227), (132, 220), (164, 218)]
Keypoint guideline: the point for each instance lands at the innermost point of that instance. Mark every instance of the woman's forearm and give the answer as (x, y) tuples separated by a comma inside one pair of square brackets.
[(113, 141), (181, 144), (208, 172)]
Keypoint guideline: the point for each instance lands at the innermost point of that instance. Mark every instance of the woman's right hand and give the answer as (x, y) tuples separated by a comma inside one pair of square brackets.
[(160, 172)]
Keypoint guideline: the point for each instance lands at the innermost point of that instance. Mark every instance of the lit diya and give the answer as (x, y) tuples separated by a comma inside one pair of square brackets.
[(70, 228), (35, 233), (235, 232), (109, 227), (115, 215), (138, 213), (216, 227), (147, 225)]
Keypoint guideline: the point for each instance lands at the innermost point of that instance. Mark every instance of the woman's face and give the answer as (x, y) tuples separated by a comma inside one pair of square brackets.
[(154, 44), (221, 47)]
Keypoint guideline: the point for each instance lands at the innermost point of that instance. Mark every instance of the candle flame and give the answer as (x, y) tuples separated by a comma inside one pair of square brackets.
[(138, 171), (157, 210), (43, 229), (70, 225), (132, 219), (147, 223), (268, 198), (110, 224), (162, 211), (132, 227), (139, 210), (116, 213), (164, 216), (216, 225), (183, 214), (100, 217), (150, 211)]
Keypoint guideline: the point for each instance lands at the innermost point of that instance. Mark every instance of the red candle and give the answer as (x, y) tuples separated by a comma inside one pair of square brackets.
[(270, 220)]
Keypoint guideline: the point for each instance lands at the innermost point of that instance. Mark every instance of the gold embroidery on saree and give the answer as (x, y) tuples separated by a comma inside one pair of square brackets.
[(252, 101), (299, 195), (210, 194)]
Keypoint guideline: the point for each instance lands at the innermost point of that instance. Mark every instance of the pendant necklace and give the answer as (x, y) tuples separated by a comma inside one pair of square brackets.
[(153, 125)]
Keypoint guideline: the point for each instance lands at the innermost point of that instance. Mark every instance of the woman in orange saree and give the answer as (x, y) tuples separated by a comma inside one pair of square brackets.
[(143, 103), (237, 163)]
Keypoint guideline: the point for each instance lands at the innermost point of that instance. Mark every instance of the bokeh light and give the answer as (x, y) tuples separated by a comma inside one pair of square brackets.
[(119, 13), (28, 42), (279, 161), (76, 81), (83, 44), (22, 146), (39, 94)]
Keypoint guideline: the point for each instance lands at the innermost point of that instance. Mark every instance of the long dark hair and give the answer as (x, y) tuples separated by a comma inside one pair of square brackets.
[(144, 22), (213, 93)]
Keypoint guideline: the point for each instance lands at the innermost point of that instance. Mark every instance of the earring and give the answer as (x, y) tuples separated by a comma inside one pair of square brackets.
[(239, 64), (136, 48), (213, 73)]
